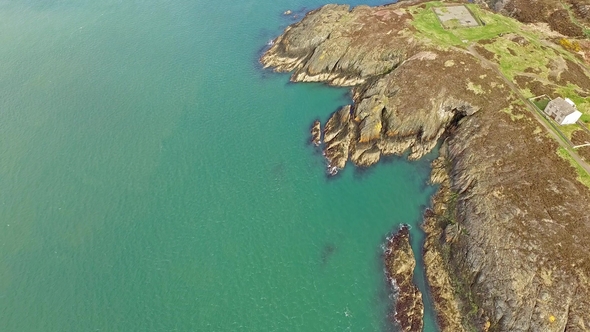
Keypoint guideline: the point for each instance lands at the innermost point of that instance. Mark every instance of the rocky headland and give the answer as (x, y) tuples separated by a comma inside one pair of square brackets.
[(506, 246)]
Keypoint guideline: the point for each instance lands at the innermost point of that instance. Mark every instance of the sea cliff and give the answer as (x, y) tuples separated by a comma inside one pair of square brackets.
[(505, 247)]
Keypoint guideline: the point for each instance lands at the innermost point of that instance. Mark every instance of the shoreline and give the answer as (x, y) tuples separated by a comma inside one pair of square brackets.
[(415, 84)]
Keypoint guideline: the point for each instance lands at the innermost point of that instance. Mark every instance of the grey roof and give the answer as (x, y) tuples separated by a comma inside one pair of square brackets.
[(562, 106)]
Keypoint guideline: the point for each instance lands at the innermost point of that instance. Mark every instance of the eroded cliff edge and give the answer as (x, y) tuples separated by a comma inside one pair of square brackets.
[(506, 247)]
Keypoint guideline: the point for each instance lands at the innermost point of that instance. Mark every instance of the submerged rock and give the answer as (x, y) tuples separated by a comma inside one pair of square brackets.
[(399, 269)]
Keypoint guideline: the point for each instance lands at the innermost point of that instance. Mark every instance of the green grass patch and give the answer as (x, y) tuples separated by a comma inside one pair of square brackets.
[(583, 176), (453, 24), (522, 57), (444, 9), (534, 54), (475, 88), (568, 130), (526, 93), (430, 28), (571, 91), (541, 103), (510, 111)]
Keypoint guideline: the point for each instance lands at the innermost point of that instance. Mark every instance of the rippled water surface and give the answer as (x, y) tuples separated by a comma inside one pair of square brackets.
[(154, 178)]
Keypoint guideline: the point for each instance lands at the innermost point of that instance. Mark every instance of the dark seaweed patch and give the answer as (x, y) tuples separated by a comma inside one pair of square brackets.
[(328, 251)]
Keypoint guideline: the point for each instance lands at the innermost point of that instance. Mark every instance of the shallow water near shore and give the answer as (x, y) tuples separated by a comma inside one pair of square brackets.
[(155, 178)]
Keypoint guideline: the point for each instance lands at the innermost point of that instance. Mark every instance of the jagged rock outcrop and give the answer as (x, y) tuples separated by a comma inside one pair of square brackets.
[(338, 134), (399, 270), (316, 133)]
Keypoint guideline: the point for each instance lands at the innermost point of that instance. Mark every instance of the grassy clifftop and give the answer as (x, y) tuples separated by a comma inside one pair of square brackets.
[(429, 28), (518, 49)]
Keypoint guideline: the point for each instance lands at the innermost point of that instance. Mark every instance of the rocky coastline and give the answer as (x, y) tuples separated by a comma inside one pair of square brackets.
[(435, 252), (379, 123), (505, 247)]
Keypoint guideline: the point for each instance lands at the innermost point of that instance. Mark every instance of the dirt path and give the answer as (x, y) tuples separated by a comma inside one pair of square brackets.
[(564, 142)]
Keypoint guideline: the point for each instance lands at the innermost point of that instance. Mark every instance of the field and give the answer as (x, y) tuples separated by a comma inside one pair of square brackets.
[(430, 29)]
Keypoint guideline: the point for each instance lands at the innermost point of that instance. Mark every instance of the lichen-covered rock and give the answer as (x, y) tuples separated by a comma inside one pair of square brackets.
[(327, 46), (399, 269), (442, 290), (338, 134), (521, 250)]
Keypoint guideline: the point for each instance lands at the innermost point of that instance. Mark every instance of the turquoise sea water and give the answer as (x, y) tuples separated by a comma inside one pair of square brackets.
[(154, 178)]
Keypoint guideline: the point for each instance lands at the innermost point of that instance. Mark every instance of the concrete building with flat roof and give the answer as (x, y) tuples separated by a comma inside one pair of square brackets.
[(563, 111)]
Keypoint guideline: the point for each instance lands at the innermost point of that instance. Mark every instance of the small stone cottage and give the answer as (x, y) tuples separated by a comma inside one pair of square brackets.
[(563, 111)]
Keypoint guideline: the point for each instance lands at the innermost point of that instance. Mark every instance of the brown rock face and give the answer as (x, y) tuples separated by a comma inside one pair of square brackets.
[(337, 137), (399, 268), (560, 21), (326, 47), (442, 288), (316, 133), (521, 217)]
